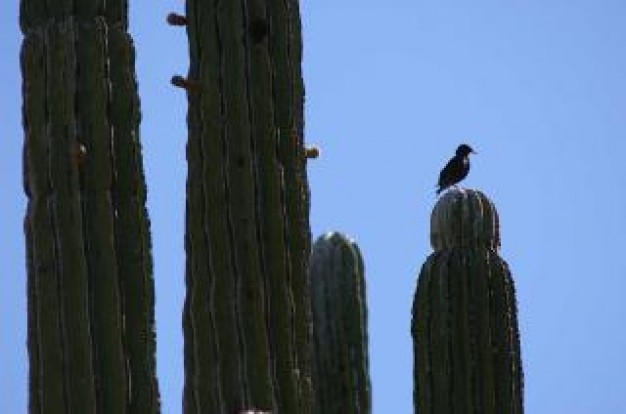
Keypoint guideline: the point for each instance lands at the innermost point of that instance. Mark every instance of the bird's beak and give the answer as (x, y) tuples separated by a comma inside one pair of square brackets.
[(474, 152)]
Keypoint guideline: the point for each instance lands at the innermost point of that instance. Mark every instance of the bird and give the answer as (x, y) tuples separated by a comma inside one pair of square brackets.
[(456, 169)]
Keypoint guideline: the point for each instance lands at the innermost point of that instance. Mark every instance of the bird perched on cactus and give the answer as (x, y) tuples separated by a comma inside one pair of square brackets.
[(456, 169)]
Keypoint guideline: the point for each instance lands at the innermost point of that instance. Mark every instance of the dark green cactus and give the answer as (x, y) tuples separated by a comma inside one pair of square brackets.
[(90, 288), (338, 303), (465, 332), (247, 316)]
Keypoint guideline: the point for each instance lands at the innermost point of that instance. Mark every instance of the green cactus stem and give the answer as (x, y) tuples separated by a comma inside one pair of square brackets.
[(247, 315), (338, 303), (90, 288), (465, 332)]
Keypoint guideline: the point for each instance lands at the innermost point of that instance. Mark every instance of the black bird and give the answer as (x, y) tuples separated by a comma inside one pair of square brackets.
[(456, 169)]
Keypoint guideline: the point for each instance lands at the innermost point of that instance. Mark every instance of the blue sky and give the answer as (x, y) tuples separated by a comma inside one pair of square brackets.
[(538, 88)]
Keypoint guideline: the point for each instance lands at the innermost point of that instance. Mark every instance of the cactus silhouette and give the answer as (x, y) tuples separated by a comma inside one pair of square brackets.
[(91, 337), (465, 333), (247, 322), (341, 365)]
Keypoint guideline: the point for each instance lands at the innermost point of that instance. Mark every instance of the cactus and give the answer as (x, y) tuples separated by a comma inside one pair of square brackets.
[(465, 332), (341, 367), (247, 317), (91, 338)]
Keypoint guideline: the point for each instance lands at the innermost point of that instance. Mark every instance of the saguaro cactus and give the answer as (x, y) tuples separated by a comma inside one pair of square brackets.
[(341, 365), (247, 314), (90, 289), (465, 333)]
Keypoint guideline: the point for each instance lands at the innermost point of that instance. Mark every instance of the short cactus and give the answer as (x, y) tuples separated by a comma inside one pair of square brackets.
[(338, 303), (465, 332)]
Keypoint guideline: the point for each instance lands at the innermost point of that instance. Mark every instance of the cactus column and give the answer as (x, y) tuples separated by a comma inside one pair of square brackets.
[(341, 365), (90, 289), (247, 314), (465, 333)]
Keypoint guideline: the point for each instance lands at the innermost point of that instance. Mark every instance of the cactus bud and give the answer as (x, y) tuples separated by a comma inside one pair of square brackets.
[(175, 19), (185, 83), (312, 152)]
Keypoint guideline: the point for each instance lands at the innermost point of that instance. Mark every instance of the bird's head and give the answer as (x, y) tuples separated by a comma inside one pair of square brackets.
[(464, 150)]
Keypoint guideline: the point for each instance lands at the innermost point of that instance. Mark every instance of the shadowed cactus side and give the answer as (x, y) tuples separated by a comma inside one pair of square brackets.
[(338, 303), (91, 339), (247, 317), (465, 331)]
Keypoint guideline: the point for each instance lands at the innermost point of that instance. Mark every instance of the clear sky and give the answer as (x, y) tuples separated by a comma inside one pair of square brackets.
[(537, 87)]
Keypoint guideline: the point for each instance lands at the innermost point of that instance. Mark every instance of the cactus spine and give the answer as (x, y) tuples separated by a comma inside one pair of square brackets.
[(338, 303), (247, 314), (465, 333), (91, 334)]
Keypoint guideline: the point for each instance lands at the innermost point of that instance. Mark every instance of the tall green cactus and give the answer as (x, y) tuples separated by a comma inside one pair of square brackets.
[(338, 303), (91, 334), (465, 333), (247, 316)]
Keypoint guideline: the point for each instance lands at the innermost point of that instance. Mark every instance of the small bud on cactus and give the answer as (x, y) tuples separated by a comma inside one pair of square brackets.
[(312, 152), (184, 83), (175, 19)]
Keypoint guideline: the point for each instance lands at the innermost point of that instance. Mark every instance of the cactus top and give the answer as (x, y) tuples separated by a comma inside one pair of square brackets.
[(464, 218)]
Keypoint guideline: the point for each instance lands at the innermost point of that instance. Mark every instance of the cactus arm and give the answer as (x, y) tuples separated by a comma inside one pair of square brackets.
[(466, 341), (341, 367), (82, 325), (242, 300)]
